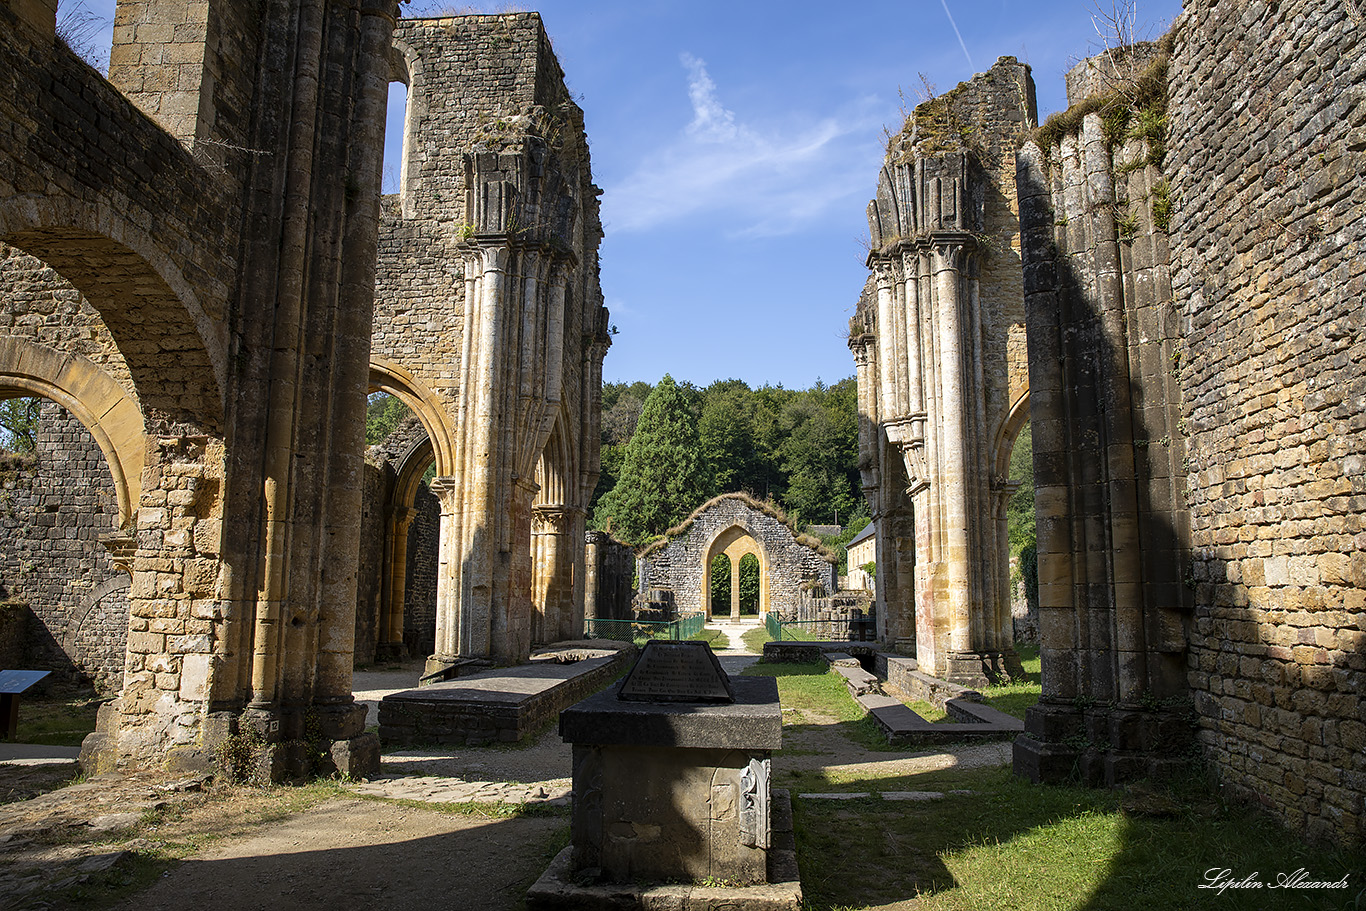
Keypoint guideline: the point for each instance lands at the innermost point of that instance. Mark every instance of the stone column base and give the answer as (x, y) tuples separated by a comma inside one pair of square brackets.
[(1103, 746), (979, 669)]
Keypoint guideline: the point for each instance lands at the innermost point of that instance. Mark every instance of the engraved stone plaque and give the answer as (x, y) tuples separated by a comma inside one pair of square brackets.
[(676, 672)]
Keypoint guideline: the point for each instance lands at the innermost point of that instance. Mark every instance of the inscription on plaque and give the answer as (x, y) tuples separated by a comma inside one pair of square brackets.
[(676, 672)]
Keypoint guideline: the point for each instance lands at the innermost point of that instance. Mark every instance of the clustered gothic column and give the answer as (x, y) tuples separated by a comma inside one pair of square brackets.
[(932, 377), (494, 250), (1112, 528), (260, 521), (517, 289)]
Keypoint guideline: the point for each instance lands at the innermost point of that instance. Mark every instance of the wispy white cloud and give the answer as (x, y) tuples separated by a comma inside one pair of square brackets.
[(754, 179)]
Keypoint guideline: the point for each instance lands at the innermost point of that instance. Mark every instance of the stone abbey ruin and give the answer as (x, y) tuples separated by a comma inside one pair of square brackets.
[(1166, 282)]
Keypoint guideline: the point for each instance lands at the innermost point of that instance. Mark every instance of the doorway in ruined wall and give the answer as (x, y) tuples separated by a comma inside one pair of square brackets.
[(412, 521), (741, 550), (65, 595), (1013, 511)]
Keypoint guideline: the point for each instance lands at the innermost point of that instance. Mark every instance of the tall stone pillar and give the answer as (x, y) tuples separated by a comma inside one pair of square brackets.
[(552, 588), (448, 614), (934, 319)]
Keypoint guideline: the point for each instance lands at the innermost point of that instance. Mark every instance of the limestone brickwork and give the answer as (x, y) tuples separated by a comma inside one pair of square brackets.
[(1266, 151), (1194, 280), (216, 203), (735, 525), (489, 324), (940, 399)]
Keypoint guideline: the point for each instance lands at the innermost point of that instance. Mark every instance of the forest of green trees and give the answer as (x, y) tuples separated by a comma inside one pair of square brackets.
[(668, 448)]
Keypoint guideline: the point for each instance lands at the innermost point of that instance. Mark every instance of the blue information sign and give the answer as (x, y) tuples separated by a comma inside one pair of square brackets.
[(17, 681)]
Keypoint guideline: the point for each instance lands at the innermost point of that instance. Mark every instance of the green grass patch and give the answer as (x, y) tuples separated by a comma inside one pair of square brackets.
[(1015, 697), (810, 689), (57, 720), (715, 638), (1014, 845), (754, 639), (812, 693)]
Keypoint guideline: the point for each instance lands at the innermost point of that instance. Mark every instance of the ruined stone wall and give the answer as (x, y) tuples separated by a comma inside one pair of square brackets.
[(53, 511), (937, 338), (1108, 439), (489, 323), (419, 595), (1267, 147), (247, 350), (611, 568), (680, 563)]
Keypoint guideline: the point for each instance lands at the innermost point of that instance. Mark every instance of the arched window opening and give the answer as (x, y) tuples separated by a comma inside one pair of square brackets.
[(720, 584), (394, 179), (749, 585)]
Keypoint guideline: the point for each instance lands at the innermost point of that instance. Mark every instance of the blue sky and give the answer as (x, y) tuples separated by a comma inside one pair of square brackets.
[(738, 143)]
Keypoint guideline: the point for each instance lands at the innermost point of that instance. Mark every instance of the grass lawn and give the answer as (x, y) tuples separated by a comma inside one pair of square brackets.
[(1013, 845), (754, 639), (62, 718), (715, 638)]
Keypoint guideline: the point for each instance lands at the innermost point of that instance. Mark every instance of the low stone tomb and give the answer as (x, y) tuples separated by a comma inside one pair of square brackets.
[(671, 786)]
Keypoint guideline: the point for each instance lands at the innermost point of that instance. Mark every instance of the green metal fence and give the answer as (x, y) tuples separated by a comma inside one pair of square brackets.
[(857, 629), (640, 631)]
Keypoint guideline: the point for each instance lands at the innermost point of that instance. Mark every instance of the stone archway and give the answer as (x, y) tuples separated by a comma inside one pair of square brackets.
[(736, 525), (736, 543), (82, 388), (410, 465)]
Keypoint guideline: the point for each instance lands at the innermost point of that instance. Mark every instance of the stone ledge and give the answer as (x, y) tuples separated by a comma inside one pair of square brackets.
[(505, 704), (752, 722), (557, 891)]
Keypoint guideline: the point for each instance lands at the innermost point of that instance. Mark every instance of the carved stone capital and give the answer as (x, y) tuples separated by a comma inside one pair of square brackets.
[(121, 546), (446, 490), (1002, 489), (908, 435)]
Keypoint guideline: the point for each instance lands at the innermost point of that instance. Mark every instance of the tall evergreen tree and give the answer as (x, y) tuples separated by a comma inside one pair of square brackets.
[(662, 476)]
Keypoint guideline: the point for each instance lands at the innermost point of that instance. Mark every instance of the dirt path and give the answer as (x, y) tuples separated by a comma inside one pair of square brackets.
[(365, 854)]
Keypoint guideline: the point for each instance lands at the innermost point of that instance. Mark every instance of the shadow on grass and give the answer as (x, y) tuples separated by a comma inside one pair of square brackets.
[(1012, 844)]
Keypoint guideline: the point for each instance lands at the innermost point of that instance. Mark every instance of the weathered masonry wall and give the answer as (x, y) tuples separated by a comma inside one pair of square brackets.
[(224, 232), (1267, 148), (1108, 438), (1194, 279), (54, 508), (731, 524), (938, 338), (489, 324)]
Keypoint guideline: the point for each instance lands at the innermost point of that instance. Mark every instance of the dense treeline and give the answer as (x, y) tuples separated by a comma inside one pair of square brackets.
[(666, 449)]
